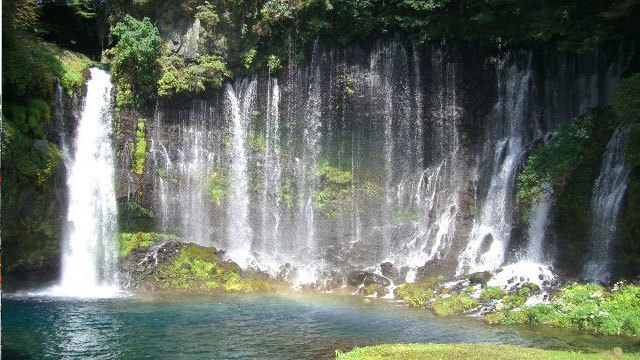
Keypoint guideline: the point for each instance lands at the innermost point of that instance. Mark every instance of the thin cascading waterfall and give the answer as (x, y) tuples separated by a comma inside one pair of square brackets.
[(491, 230), (606, 203), (446, 114), (537, 229), (312, 134), (91, 248), (390, 77), (437, 188), (239, 232), (272, 174), (195, 162)]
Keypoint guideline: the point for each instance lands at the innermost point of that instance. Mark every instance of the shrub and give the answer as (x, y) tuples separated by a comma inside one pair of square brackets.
[(209, 71), (134, 65), (491, 293), (446, 305)]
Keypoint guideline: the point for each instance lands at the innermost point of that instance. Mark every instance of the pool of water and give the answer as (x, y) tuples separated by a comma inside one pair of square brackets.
[(181, 326)]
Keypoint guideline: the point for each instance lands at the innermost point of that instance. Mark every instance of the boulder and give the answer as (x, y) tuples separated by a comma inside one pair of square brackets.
[(480, 278)]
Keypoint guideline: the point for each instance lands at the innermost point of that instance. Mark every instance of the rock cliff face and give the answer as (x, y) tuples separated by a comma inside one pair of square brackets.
[(363, 154), (34, 214)]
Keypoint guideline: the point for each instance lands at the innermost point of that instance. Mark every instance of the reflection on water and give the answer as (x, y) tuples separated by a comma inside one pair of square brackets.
[(239, 327)]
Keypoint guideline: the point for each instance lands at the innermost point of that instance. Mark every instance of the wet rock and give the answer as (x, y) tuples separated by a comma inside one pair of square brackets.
[(356, 277), (372, 278), (360, 277), (435, 267), (480, 278), (330, 280)]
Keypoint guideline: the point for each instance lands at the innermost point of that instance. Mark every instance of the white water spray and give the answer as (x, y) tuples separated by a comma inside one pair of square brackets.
[(91, 248)]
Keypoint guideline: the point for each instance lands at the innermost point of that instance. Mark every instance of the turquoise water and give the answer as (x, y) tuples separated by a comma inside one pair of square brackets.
[(157, 326)]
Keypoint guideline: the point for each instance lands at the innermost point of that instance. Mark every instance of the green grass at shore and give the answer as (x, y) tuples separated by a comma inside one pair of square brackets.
[(471, 352)]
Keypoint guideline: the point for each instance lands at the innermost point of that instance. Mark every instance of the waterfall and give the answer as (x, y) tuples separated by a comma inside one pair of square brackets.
[(272, 173), (91, 249), (421, 171), (606, 202), (537, 229), (239, 232), (491, 231)]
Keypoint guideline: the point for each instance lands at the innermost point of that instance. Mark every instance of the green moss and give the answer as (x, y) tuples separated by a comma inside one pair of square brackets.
[(417, 294), (140, 153), (470, 352), (450, 304), (407, 214), (491, 293), (130, 241), (202, 269)]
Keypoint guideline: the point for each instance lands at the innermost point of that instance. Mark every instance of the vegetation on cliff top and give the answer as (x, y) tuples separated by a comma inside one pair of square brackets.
[(470, 352)]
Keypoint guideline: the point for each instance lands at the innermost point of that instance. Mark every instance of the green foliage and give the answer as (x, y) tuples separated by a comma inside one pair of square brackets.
[(273, 63), (134, 64), (248, 57), (333, 175), (588, 307), (571, 146), (209, 71), (258, 141), (334, 189), (491, 293), (417, 294), (449, 304), (130, 241), (140, 153), (207, 14), (218, 186), (469, 352), (286, 194), (133, 217), (513, 301)]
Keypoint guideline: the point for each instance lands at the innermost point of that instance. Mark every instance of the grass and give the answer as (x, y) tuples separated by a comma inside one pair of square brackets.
[(470, 352)]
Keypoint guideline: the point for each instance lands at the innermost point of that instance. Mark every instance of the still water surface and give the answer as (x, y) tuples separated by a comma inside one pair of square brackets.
[(179, 326)]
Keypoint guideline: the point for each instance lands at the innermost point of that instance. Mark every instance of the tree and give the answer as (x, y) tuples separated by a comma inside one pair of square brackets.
[(134, 65)]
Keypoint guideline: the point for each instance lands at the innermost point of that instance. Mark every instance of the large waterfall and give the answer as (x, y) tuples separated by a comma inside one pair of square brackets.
[(364, 155), (90, 251), (606, 203)]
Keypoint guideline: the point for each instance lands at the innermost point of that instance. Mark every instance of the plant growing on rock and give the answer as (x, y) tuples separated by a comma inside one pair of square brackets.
[(491, 293), (134, 64), (449, 304)]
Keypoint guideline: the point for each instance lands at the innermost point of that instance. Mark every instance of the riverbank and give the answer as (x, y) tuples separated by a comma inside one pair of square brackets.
[(472, 352)]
